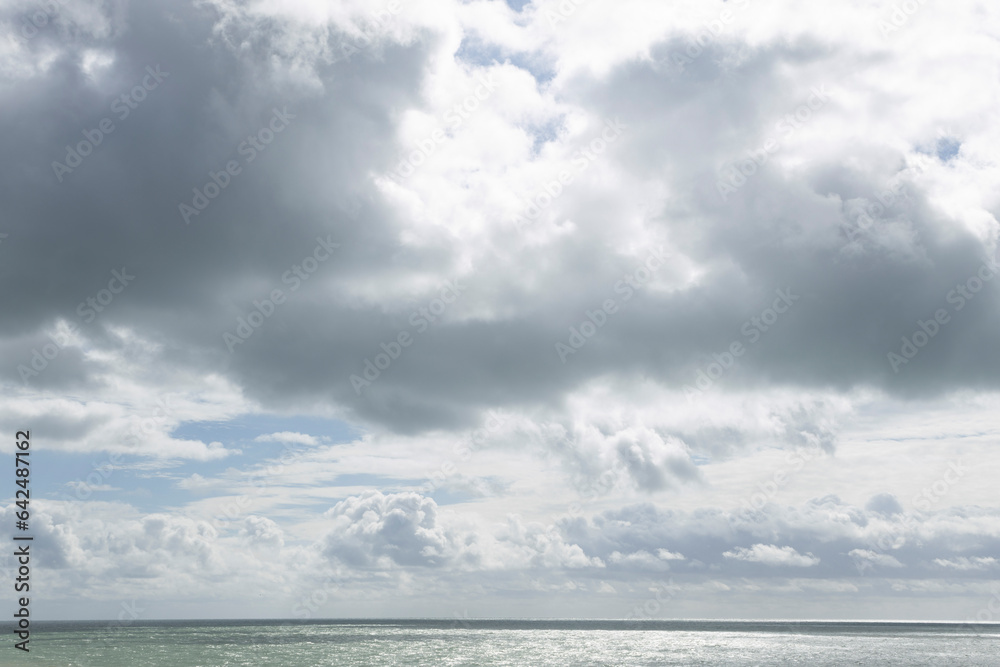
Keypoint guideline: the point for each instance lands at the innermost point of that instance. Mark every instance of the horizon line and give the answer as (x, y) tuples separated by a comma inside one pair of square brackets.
[(387, 619)]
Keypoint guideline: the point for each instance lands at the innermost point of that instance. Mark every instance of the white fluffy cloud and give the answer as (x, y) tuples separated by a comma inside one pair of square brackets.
[(288, 436), (400, 529), (964, 563), (769, 554)]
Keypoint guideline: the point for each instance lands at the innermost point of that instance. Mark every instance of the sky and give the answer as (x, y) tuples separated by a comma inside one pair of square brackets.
[(502, 309)]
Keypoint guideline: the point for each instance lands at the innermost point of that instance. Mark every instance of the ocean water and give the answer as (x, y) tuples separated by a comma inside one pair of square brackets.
[(478, 643)]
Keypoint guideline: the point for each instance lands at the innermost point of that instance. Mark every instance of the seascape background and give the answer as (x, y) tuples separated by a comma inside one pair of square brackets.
[(507, 643)]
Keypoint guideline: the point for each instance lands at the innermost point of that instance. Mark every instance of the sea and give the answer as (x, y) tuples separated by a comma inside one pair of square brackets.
[(507, 643)]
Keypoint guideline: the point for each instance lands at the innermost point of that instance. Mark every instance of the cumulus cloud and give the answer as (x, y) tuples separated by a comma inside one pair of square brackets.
[(378, 530), (383, 530), (259, 530), (884, 503), (374, 539), (769, 554)]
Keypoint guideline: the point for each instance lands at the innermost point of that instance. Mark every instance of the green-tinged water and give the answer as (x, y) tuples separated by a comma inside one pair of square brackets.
[(507, 643)]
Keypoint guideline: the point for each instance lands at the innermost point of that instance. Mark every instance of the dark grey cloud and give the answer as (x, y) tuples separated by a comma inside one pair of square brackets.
[(780, 231)]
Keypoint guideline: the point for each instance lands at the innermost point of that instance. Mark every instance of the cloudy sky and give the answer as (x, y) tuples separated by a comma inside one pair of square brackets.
[(478, 308)]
